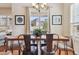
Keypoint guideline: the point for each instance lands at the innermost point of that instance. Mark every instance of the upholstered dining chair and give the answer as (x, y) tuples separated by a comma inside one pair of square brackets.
[(66, 47), (30, 47), (16, 44), (50, 48)]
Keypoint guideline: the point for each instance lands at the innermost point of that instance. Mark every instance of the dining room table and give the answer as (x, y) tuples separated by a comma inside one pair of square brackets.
[(38, 40)]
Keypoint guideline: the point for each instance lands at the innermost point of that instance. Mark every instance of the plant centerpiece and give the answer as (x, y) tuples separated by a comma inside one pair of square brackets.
[(37, 32)]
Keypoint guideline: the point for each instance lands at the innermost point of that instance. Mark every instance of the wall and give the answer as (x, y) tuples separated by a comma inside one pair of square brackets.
[(64, 10), (18, 9), (66, 19), (57, 9), (5, 11)]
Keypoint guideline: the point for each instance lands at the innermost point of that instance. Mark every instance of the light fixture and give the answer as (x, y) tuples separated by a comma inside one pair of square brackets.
[(39, 6)]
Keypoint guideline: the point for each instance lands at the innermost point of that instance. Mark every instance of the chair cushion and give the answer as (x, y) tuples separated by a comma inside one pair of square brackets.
[(2, 35), (15, 45), (2, 42), (44, 49), (61, 46), (33, 48)]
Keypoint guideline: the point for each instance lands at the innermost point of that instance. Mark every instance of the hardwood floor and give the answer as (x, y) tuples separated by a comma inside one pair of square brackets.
[(15, 52), (63, 53)]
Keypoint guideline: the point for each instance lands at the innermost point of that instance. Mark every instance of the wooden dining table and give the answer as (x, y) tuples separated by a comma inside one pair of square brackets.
[(15, 38)]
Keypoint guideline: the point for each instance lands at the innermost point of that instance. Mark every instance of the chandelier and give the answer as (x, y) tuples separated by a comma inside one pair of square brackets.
[(39, 6)]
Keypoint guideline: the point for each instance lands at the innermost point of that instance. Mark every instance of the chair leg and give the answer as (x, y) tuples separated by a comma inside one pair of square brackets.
[(59, 51), (12, 51), (66, 52), (19, 52), (73, 53)]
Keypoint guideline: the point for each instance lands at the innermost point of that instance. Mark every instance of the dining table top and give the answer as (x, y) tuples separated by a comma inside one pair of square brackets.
[(43, 37)]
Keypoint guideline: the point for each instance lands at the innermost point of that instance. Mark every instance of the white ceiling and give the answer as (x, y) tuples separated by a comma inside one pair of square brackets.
[(24, 4)]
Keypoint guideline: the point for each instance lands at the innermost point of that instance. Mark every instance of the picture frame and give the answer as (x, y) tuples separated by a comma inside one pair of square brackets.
[(19, 19), (56, 19), (77, 28)]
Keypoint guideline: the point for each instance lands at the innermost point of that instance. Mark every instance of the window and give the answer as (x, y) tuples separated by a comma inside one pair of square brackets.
[(75, 19), (36, 23), (5, 23), (39, 21)]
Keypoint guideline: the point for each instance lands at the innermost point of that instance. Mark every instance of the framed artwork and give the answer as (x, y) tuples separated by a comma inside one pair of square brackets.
[(19, 19), (77, 28), (56, 19)]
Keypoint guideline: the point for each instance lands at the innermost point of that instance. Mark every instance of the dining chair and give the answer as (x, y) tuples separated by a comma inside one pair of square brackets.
[(30, 47), (16, 44), (66, 47), (50, 48)]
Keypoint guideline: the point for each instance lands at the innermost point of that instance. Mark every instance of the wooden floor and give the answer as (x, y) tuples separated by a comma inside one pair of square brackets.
[(15, 52)]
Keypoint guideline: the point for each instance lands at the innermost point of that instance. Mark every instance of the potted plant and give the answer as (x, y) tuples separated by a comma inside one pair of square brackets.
[(37, 32)]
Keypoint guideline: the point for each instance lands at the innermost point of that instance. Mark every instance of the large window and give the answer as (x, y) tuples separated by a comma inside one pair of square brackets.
[(75, 19), (41, 23), (39, 20)]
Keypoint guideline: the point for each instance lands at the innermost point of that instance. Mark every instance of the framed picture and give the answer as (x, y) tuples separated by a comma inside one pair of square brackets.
[(56, 19), (19, 19), (77, 26)]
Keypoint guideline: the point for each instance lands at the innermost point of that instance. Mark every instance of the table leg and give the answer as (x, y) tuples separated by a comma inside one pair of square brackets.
[(65, 48), (6, 43), (12, 47), (39, 51)]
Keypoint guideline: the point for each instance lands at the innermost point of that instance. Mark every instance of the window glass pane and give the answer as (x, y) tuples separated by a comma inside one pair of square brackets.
[(41, 23), (34, 23), (3, 20), (44, 23)]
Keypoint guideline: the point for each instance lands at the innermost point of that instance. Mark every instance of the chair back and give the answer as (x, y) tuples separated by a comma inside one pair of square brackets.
[(70, 42), (49, 38), (50, 42), (26, 42)]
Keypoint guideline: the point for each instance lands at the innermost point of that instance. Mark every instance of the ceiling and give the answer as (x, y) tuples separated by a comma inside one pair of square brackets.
[(24, 4)]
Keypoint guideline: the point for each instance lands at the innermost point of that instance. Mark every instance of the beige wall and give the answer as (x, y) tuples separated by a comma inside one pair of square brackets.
[(57, 9), (66, 19), (5, 11), (64, 10), (17, 9)]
